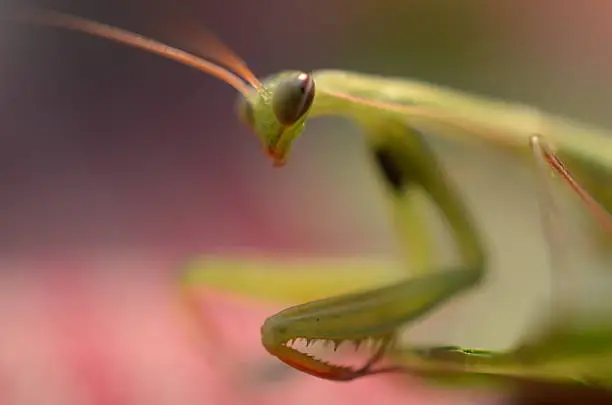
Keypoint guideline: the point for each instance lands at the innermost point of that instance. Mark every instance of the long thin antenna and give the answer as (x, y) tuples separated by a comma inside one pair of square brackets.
[(208, 45), (68, 21)]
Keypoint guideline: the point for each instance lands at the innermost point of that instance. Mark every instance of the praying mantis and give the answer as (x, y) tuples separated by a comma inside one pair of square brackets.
[(395, 115)]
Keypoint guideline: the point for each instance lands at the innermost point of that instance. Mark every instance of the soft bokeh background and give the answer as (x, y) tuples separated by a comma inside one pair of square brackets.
[(116, 166)]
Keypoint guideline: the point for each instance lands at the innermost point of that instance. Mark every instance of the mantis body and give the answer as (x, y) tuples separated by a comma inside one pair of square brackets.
[(392, 114)]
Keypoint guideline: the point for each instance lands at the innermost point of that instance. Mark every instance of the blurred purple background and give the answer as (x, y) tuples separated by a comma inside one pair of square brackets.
[(117, 165)]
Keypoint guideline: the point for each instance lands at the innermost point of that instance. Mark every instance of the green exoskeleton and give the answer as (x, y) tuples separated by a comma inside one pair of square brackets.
[(389, 111)]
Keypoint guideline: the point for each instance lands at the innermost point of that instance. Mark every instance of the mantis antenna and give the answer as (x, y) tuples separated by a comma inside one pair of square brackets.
[(240, 82), (277, 109)]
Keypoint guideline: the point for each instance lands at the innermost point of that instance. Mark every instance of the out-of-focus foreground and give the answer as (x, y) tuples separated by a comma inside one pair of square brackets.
[(116, 166)]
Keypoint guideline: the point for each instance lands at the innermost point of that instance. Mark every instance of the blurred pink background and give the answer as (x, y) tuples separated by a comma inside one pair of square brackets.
[(116, 166)]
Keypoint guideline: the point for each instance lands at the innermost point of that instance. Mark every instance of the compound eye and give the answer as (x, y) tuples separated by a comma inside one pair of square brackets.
[(292, 98)]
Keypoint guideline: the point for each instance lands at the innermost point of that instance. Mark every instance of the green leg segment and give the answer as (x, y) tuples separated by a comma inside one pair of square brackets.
[(406, 165)]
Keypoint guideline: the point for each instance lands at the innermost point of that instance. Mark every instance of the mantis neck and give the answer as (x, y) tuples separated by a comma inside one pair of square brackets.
[(456, 114), (406, 149)]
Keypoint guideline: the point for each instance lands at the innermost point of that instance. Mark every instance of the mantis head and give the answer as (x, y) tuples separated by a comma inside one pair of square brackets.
[(277, 111)]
